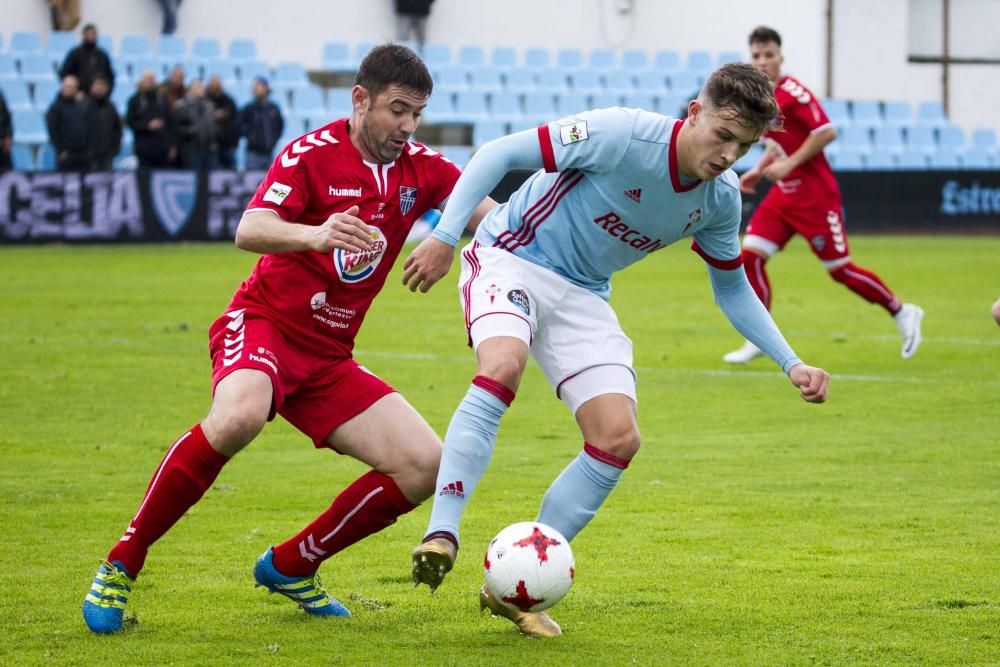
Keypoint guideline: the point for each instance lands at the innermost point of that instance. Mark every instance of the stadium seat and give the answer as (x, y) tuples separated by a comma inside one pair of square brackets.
[(225, 71), (309, 99), (46, 91), (984, 138), (672, 104), (536, 58), (337, 57), (360, 51), (571, 103), (553, 81), (504, 57), (440, 109), (978, 159), (291, 75), (699, 62), (46, 160), (486, 79), (635, 59), (920, 139), (847, 161), (951, 139), (59, 44), (295, 122), (22, 157), (880, 162), (541, 106), (29, 127), (170, 49), (586, 81), (684, 83), (136, 67), (911, 161), (241, 50), (15, 94), (667, 62), (484, 131), (749, 160), (945, 161), (568, 59), (120, 97), (36, 68), (522, 80), (605, 100), (24, 43), (470, 106), (134, 47), (8, 69), (506, 107), (338, 101), (252, 70), (206, 49), (241, 155), (837, 111), (623, 82), (931, 113), (889, 140), (460, 155), (471, 57), (899, 114), (728, 57), (640, 101), (437, 56), (450, 79), (650, 81), (602, 59), (866, 112)]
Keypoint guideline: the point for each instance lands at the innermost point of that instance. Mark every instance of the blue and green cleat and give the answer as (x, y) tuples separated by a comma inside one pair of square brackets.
[(307, 592), (104, 606)]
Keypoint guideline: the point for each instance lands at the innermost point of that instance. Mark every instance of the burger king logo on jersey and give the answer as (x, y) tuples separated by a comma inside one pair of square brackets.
[(353, 266)]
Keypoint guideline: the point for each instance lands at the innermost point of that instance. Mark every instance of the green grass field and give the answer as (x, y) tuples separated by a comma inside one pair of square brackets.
[(751, 529)]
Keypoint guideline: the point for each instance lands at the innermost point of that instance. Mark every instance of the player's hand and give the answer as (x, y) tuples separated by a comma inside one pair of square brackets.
[(428, 263), (812, 382), (777, 170), (749, 180), (342, 230)]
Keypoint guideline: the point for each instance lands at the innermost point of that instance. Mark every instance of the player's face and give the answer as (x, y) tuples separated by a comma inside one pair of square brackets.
[(718, 139), (766, 56), (388, 121)]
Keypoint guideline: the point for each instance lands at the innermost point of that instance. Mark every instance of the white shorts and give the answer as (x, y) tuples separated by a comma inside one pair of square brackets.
[(573, 334)]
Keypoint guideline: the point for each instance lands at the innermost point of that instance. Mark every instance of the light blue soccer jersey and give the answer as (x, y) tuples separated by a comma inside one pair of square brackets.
[(611, 194)]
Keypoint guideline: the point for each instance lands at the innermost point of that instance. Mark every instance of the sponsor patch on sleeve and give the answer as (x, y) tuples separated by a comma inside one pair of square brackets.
[(573, 132), (277, 192)]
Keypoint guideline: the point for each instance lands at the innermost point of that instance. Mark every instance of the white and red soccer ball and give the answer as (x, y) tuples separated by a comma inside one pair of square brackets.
[(529, 566)]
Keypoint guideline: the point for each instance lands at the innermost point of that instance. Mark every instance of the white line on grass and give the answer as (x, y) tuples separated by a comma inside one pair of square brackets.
[(948, 340)]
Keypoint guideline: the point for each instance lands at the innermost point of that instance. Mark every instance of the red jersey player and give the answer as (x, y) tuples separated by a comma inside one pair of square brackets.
[(330, 218), (805, 199)]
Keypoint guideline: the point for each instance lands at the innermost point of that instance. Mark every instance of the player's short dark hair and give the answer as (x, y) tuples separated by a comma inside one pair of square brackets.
[(762, 35), (389, 64), (741, 91)]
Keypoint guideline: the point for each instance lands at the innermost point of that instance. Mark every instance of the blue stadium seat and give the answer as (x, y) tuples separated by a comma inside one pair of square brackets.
[(8, 69), (486, 79), (536, 58), (242, 95), (22, 157), (553, 81), (37, 68), (585, 81), (749, 160), (951, 139), (470, 106), (120, 97), (59, 44), (640, 101), (252, 70), (635, 59), (225, 71), (699, 62), (984, 138), (728, 57), (291, 75), (360, 51), (889, 140), (242, 50), (866, 112), (136, 67), (440, 109), (46, 91), (650, 81), (506, 107), (46, 160), (837, 111), (622, 81), (170, 48), (337, 57), (484, 131), (571, 103), (667, 61), (295, 122), (450, 79), (921, 139), (978, 159), (522, 80), (437, 55), (541, 106), (569, 58), (880, 162), (15, 94), (684, 83), (29, 127), (309, 100), (899, 114), (504, 57), (945, 161), (338, 101), (206, 49), (134, 47), (471, 57), (605, 100), (853, 138), (241, 154), (910, 161), (931, 113), (460, 155), (25, 43), (602, 59), (672, 104), (847, 161)]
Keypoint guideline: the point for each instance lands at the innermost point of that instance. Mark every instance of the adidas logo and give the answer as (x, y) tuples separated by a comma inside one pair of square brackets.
[(635, 194), (453, 489)]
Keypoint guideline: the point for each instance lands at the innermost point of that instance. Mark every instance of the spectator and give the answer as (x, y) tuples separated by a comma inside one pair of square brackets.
[(65, 14), (194, 119), (149, 117), (170, 8), (105, 127), (411, 18), (88, 61), (6, 135), (226, 133), (173, 88), (69, 130), (261, 123)]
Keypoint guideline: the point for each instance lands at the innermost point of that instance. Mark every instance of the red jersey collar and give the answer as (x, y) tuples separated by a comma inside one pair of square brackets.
[(675, 175)]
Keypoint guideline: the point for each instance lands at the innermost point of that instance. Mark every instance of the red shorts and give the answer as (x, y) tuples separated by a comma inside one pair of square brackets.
[(821, 222), (315, 395)]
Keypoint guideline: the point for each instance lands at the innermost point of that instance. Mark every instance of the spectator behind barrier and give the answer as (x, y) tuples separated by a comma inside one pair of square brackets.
[(194, 119), (226, 133), (88, 61), (173, 88), (105, 127), (261, 123), (6, 135), (69, 130), (149, 117)]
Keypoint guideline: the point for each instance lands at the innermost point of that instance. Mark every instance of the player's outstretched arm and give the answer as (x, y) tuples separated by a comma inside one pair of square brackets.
[(264, 232)]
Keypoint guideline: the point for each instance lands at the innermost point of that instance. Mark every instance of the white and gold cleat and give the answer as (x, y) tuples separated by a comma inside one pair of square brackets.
[(537, 624), (432, 559)]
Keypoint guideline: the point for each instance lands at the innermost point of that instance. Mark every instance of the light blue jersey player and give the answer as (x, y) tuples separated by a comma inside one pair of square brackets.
[(614, 186)]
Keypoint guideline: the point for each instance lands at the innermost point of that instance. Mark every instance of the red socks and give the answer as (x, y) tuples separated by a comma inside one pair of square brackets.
[(372, 502), (753, 264), (867, 285), (186, 472)]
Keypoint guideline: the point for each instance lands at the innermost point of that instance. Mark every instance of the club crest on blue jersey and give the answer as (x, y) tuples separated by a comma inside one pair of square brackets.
[(407, 198), (519, 299), (353, 266)]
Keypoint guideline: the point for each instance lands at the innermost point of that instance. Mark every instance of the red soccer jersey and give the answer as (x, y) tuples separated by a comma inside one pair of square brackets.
[(803, 116), (318, 299)]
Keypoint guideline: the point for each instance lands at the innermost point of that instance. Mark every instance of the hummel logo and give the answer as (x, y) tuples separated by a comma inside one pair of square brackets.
[(453, 489), (634, 194)]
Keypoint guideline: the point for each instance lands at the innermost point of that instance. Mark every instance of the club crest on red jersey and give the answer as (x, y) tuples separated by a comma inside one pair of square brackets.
[(354, 266), (407, 198)]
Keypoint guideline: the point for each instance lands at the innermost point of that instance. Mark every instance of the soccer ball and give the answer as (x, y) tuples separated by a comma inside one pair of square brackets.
[(529, 566)]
